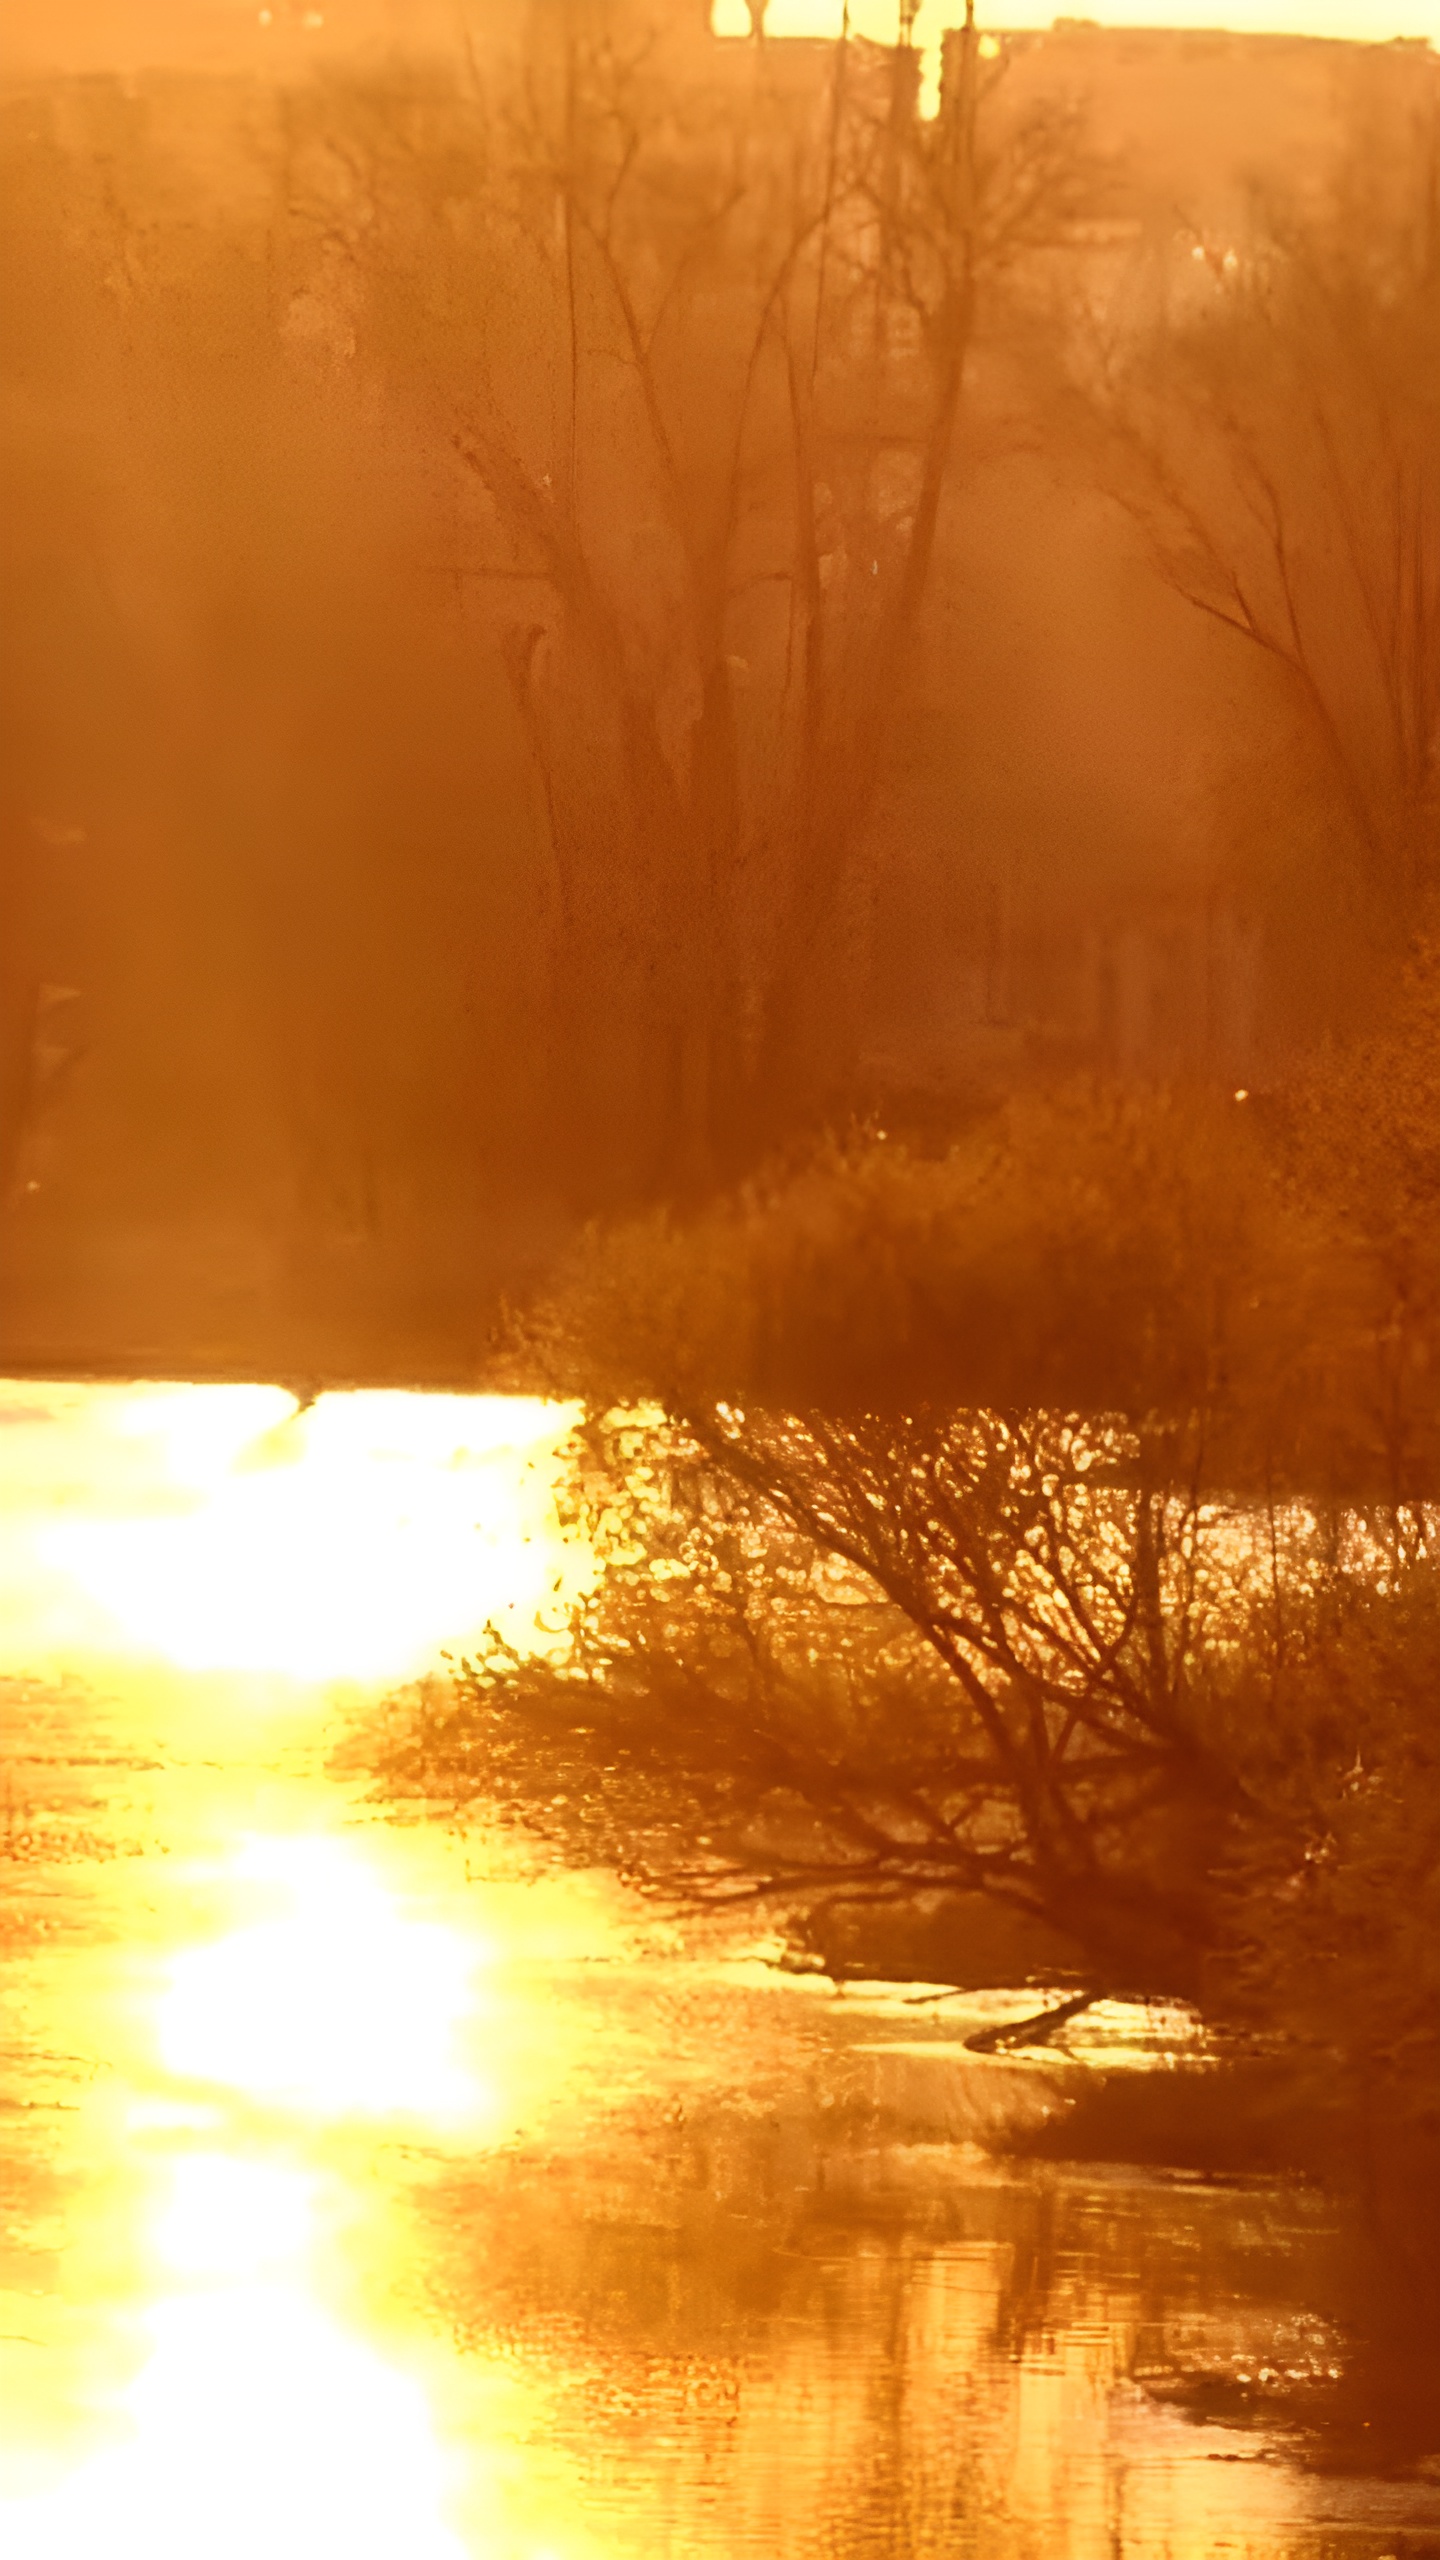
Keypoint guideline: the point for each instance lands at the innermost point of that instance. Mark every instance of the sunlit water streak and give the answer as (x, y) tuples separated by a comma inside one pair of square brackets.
[(376, 2211), (339, 2006), (162, 1530), (244, 2412), (228, 1529)]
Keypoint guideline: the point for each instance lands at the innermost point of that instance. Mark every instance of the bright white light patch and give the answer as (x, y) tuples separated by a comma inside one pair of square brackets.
[(227, 2217), (258, 2427), (339, 2006), (355, 1539)]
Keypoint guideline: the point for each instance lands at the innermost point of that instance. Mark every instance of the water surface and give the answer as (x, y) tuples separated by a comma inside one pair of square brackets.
[(367, 2192)]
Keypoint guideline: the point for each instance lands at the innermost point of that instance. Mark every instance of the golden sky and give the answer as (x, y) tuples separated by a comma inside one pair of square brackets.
[(1367, 20), (1363, 21)]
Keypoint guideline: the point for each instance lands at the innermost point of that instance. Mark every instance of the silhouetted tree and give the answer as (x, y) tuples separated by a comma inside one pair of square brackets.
[(982, 1543), (1274, 435), (875, 1662), (881, 1632), (710, 317)]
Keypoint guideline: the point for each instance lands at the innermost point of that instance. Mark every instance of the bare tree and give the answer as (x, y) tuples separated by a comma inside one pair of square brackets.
[(842, 1666), (711, 318), (1274, 435), (876, 1624)]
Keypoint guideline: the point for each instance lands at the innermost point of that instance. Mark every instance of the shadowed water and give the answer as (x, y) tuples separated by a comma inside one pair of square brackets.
[(369, 2193)]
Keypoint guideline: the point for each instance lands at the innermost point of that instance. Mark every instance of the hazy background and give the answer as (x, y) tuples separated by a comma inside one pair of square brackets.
[(311, 1043)]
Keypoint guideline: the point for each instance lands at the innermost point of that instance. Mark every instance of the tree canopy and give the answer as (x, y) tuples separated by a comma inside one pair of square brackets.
[(1012, 1528)]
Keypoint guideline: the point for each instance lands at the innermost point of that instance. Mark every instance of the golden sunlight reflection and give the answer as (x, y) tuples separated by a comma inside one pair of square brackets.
[(338, 2005), (228, 2217), (233, 1529), (375, 2193), (255, 2425), (252, 2421)]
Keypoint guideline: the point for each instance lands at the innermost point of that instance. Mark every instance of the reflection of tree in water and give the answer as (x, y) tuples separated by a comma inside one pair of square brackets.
[(871, 2342)]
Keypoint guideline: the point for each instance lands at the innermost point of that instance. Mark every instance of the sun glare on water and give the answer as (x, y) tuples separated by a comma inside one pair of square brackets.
[(350, 1539), (255, 2423), (337, 2004), (250, 2417), (215, 2381)]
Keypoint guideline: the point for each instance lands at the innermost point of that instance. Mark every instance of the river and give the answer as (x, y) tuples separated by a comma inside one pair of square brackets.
[(371, 2192)]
